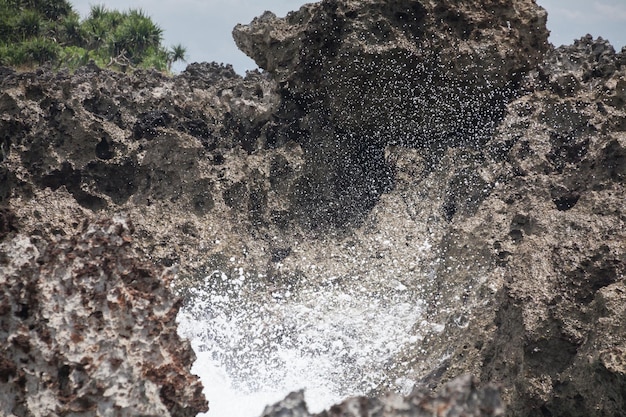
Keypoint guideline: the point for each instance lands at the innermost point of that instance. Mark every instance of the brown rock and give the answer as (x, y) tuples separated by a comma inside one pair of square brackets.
[(86, 327)]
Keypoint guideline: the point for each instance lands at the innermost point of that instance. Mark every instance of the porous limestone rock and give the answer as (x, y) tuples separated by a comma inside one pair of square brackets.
[(173, 153), (535, 245), (419, 70), (556, 228), (442, 145), (86, 328)]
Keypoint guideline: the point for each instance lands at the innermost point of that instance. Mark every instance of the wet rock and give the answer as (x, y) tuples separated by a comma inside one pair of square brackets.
[(148, 123), (543, 253), (360, 75), (278, 254), (461, 397), (292, 406), (6, 71), (205, 74)]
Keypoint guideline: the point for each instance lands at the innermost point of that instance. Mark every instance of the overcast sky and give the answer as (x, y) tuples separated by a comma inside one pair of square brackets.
[(204, 26)]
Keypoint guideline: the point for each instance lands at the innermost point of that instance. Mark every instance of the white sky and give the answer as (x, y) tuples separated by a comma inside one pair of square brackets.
[(204, 26)]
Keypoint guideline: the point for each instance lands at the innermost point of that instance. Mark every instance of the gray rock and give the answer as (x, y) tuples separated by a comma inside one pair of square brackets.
[(461, 397)]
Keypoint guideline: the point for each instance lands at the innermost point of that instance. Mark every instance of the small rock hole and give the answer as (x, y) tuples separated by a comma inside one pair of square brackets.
[(103, 150), (566, 202)]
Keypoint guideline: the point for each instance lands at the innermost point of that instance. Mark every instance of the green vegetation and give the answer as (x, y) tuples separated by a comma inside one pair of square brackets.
[(37, 32)]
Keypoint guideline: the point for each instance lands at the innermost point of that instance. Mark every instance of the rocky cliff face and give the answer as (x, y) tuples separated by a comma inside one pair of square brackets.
[(539, 261), (443, 145), (358, 76)]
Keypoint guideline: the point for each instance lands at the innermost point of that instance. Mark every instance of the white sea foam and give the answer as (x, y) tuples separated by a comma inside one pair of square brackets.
[(254, 346)]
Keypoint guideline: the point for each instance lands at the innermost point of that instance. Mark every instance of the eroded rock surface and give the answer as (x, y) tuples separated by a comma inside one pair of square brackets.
[(560, 247), (357, 76), (441, 149), (88, 329)]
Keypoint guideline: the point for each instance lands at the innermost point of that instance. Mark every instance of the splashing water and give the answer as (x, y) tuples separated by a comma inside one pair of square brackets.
[(334, 338)]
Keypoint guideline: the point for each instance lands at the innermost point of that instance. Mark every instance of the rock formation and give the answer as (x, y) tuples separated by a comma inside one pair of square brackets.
[(88, 329), (445, 144), (458, 398), (357, 76)]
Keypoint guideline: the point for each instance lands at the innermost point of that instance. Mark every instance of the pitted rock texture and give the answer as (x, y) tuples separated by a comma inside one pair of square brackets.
[(359, 75), (539, 260), (491, 185), (88, 329), (460, 397), (561, 247), (171, 150)]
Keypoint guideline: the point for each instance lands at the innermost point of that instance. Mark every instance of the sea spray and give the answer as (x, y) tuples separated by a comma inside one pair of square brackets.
[(334, 338)]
